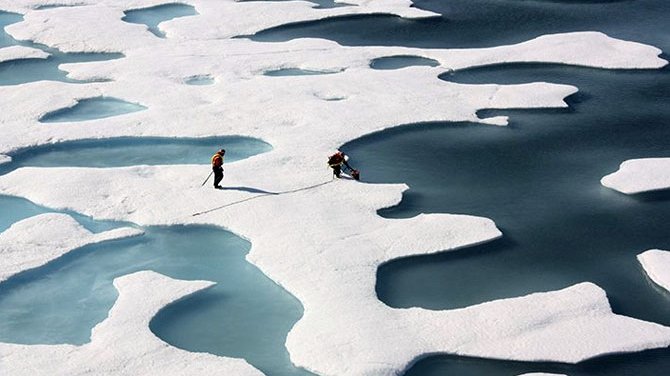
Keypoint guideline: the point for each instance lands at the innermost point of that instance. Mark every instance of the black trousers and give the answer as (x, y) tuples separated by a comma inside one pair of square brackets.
[(218, 175), (337, 169)]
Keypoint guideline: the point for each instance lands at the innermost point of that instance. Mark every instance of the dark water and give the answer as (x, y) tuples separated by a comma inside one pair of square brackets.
[(537, 178), (30, 70), (489, 23), (296, 72), (153, 16), (398, 62), (318, 4)]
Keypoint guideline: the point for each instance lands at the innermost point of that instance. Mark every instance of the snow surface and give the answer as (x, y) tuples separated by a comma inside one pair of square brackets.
[(21, 52), (321, 251), (640, 175), (123, 344), (656, 264), (34, 241)]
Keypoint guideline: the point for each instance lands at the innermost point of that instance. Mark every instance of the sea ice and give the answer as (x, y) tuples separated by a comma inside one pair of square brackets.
[(640, 175), (35, 241), (20, 52), (656, 264)]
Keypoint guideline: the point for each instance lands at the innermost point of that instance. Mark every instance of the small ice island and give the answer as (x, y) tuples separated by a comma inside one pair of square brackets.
[(321, 252)]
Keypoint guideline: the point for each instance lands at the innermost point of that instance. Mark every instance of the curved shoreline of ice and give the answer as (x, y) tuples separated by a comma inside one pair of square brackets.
[(123, 343), (640, 175), (656, 263), (12, 53), (37, 240), (329, 255)]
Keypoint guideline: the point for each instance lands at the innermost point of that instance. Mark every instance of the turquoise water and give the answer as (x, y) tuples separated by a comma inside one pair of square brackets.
[(53, 6), (7, 19), (30, 70), (244, 315), (155, 15), (296, 72), (129, 151), (90, 109), (398, 62), (15, 209), (199, 80)]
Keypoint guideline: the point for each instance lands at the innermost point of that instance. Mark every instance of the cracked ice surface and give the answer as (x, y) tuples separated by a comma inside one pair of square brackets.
[(640, 175), (123, 343), (324, 253), (21, 52), (34, 241), (656, 264)]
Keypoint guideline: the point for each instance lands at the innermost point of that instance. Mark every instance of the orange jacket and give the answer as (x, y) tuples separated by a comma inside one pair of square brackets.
[(217, 160)]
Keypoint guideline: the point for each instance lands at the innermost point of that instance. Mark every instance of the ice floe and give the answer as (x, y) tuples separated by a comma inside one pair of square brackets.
[(334, 257), (656, 264), (21, 52), (35, 241), (123, 343), (640, 175), (321, 239)]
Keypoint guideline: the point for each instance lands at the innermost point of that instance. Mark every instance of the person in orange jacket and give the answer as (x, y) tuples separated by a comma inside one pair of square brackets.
[(217, 167)]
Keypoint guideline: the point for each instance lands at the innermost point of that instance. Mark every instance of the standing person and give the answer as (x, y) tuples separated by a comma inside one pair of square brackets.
[(217, 167)]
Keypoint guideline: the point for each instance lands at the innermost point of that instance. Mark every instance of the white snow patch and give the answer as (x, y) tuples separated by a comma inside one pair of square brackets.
[(656, 264), (5, 159), (37, 240), (21, 52), (640, 175), (123, 343), (591, 49)]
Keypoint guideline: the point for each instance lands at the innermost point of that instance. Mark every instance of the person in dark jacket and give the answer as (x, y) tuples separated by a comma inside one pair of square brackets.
[(336, 161), (217, 167)]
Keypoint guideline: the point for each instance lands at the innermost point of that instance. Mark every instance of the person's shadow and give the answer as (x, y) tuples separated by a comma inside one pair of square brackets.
[(248, 189)]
